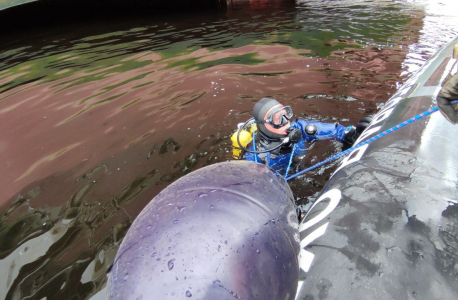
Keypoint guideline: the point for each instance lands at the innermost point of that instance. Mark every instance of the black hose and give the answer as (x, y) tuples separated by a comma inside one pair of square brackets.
[(253, 151)]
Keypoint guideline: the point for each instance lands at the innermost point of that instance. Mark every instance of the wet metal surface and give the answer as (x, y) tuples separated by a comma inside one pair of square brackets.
[(97, 117)]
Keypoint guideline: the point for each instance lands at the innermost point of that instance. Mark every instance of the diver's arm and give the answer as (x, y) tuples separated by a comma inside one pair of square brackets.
[(448, 93), (313, 130)]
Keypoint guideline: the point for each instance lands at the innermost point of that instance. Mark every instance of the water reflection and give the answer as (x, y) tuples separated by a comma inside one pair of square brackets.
[(100, 120)]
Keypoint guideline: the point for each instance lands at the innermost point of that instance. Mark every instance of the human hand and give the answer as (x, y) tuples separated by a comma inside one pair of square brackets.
[(362, 125), (448, 93), (352, 133)]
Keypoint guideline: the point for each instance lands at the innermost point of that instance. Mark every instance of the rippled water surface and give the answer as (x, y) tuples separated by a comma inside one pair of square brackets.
[(97, 117)]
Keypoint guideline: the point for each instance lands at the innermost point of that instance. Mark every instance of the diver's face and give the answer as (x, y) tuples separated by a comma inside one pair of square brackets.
[(277, 119)]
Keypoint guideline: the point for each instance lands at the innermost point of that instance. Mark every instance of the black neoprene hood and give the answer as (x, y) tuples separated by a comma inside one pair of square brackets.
[(259, 111), (261, 107)]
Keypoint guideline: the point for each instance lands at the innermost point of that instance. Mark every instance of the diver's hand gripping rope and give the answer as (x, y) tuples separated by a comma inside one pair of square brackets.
[(368, 141)]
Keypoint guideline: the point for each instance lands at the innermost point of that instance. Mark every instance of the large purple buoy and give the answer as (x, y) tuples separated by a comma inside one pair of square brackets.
[(226, 231)]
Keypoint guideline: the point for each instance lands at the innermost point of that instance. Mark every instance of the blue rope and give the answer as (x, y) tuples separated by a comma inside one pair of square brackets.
[(368, 141), (290, 161), (254, 144)]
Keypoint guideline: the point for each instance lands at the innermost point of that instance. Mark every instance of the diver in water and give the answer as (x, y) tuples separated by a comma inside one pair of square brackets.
[(279, 138), (448, 93)]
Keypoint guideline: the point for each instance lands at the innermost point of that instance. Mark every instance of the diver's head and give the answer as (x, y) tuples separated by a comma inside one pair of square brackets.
[(272, 118)]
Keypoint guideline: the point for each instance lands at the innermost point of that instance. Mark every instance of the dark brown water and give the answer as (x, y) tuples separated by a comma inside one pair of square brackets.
[(98, 116)]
